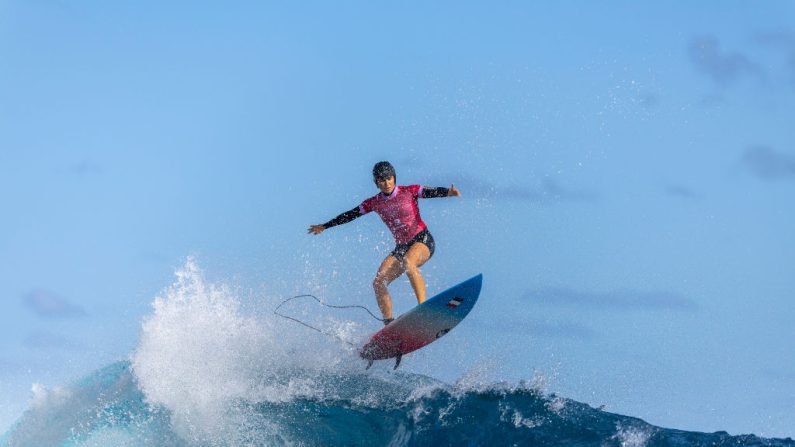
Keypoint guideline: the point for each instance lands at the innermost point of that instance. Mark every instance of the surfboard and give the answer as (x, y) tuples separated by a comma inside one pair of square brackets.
[(424, 324)]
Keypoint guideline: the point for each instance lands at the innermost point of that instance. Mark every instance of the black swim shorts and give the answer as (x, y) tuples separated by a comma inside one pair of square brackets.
[(423, 236)]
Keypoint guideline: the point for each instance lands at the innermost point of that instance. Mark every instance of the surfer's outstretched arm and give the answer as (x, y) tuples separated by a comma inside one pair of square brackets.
[(429, 193), (345, 217)]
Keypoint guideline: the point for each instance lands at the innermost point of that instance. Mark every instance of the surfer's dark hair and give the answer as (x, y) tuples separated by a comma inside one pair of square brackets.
[(383, 170)]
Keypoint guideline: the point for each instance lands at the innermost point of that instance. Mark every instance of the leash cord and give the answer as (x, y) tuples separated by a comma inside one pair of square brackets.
[(276, 311)]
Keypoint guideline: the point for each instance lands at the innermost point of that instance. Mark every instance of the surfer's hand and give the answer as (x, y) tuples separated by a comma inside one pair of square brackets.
[(452, 192), (316, 229)]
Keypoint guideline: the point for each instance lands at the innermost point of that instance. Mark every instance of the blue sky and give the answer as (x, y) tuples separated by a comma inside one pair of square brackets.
[(628, 173)]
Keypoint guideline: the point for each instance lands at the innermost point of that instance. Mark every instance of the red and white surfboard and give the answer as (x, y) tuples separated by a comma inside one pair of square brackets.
[(424, 323)]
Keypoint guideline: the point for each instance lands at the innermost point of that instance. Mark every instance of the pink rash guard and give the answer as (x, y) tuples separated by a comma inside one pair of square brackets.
[(398, 210)]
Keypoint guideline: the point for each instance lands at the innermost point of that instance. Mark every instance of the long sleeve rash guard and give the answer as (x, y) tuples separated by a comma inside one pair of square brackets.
[(367, 206)]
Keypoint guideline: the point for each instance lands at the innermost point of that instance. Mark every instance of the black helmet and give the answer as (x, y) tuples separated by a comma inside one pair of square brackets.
[(383, 170)]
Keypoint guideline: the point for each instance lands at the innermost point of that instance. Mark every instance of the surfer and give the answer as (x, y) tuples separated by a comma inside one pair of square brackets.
[(397, 207)]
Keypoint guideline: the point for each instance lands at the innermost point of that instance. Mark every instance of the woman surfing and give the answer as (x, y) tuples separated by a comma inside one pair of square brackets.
[(397, 206)]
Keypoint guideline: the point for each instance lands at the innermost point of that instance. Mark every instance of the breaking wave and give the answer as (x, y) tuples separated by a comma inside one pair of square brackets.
[(206, 374)]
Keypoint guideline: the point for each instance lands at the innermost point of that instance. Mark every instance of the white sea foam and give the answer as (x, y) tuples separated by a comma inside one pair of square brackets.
[(478, 379), (205, 361), (520, 421), (556, 404), (199, 355), (517, 419), (632, 436), (43, 397)]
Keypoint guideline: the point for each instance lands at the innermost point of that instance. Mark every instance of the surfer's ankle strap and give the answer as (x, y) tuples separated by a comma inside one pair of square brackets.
[(388, 320)]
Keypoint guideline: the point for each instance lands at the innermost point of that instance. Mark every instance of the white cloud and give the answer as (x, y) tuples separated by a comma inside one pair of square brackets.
[(48, 304)]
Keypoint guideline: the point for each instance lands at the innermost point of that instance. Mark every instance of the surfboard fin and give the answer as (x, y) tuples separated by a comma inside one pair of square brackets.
[(369, 364), (397, 360)]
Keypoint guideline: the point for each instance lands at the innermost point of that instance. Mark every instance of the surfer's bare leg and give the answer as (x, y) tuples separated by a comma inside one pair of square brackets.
[(389, 270), (417, 255)]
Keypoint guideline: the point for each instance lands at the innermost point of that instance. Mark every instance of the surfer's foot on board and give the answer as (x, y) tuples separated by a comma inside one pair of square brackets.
[(388, 320)]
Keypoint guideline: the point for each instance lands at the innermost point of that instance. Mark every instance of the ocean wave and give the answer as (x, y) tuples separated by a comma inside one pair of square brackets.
[(206, 374), (108, 408)]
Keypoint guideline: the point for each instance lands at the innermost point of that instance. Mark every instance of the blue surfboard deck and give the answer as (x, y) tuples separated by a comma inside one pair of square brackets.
[(423, 324)]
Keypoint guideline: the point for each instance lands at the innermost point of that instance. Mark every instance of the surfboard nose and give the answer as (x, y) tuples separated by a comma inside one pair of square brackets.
[(474, 283)]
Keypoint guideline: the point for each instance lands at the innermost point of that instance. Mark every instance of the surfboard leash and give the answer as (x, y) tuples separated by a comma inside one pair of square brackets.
[(276, 311)]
